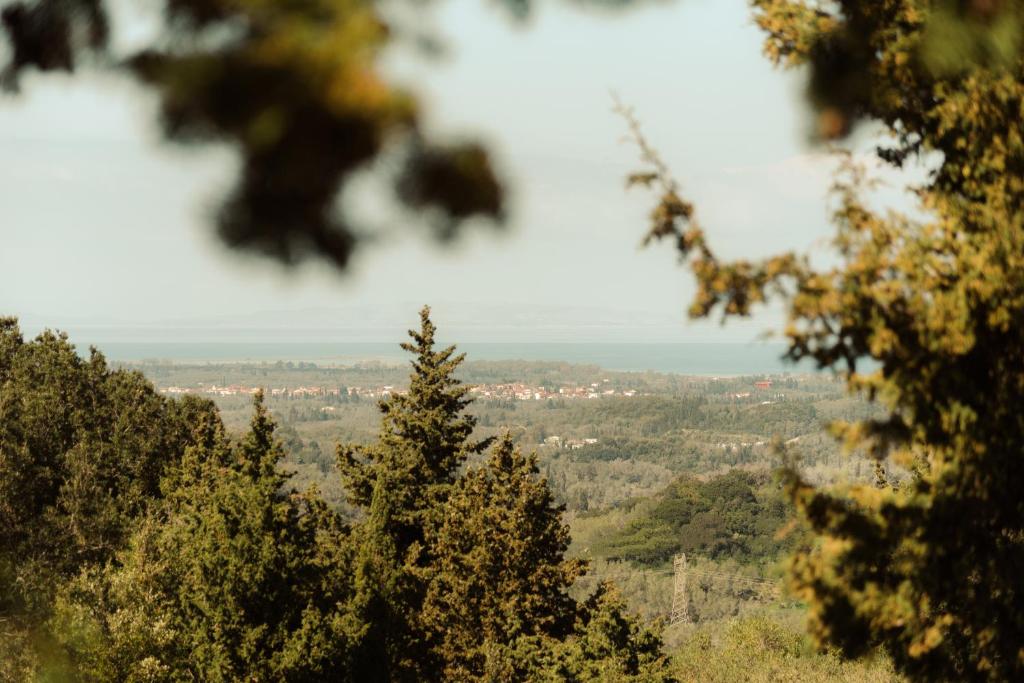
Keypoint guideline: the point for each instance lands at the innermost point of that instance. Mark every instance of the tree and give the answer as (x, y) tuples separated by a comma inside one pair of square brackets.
[(235, 578), (167, 551), (722, 516), (609, 645), (930, 569), (402, 483), (387, 592), (424, 439), (297, 90), (82, 452), (499, 572)]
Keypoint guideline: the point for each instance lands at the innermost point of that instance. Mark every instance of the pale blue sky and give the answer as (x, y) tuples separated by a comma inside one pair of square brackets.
[(104, 224)]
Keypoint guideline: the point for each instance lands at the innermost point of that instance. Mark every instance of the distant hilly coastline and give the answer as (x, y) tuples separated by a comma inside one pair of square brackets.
[(613, 339), (687, 359), (460, 322)]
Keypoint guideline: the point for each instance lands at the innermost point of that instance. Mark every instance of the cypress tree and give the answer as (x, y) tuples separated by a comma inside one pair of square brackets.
[(424, 439), (499, 572), (383, 592)]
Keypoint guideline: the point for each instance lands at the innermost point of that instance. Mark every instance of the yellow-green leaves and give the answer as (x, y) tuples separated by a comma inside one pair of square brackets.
[(927, 567)]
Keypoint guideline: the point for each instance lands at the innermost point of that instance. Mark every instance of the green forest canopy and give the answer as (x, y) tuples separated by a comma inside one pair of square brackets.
[(139, 541), (734, 515)]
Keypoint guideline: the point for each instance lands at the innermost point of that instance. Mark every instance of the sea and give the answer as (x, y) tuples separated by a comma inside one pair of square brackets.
[(705, 359)]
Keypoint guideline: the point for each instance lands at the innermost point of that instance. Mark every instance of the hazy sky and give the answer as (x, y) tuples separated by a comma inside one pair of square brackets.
[(103, 223)]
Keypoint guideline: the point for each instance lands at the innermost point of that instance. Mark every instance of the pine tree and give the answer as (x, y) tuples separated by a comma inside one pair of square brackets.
[(424, 439), (499, 571)]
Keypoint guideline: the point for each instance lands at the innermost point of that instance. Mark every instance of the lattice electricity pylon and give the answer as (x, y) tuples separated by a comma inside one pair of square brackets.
[(680, 595)]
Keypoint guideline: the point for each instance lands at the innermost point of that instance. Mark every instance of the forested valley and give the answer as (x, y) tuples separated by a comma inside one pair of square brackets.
[(291, 529)]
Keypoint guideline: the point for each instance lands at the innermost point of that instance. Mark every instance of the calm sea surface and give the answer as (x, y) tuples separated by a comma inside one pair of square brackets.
[(688, 359)]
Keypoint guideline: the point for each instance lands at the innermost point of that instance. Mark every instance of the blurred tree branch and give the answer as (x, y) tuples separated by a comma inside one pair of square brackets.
[(295, 88)]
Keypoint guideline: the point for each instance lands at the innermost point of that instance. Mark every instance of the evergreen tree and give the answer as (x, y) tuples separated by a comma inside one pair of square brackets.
[(424, 439), (205, 566), (235, 578), (82, 452), (384, 595), (922, 313), (402, 482), (499, 571), (609, 646)]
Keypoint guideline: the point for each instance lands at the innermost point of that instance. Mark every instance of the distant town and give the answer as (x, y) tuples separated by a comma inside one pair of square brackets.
[(524, 392), (504, 392), (515, 391)]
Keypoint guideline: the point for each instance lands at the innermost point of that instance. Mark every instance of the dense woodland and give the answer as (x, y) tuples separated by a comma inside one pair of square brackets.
[(150, 538), (142, 541)]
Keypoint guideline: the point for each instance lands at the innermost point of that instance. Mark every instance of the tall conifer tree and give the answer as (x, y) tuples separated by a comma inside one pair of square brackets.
[(402, 483), (499, 571), (384, 595), (424, 438)]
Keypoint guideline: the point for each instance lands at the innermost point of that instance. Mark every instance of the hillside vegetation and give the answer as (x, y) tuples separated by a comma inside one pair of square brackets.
[(735, 515), (147, 538)]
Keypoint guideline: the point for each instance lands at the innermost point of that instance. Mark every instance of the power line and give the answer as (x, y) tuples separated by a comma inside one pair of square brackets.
[(681, 597)]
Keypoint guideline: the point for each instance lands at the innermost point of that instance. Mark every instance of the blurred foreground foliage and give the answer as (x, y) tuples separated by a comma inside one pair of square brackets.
[(297, 90)]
